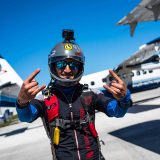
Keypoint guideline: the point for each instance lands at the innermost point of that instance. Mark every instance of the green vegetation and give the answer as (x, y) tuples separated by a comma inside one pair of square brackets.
[(10, 121)]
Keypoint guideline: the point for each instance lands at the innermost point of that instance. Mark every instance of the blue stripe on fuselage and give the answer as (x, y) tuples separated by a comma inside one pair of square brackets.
[(7, 101)]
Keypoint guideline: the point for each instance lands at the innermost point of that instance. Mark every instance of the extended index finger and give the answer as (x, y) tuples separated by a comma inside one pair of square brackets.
[(32, 75), (113, 74)]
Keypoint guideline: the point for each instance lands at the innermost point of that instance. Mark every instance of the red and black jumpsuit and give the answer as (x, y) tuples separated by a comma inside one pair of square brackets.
[(76, 143)]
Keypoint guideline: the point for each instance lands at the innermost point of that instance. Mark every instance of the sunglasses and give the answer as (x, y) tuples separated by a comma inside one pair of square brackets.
[(73, 65)]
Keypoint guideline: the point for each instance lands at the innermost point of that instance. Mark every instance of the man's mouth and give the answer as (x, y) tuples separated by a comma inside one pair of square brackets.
[(66, 76)]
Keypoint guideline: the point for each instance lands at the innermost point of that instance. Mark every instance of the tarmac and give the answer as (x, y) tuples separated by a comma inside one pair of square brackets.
[(133, 137)]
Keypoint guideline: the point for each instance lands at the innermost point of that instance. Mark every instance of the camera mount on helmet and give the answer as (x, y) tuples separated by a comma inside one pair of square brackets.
[(68, 35)]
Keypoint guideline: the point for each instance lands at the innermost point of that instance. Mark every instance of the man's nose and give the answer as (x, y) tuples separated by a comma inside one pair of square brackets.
[(67, 69)]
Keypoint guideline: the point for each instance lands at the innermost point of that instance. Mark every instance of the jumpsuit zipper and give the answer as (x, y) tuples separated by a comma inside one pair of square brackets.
[(75, 135), (75, 132)]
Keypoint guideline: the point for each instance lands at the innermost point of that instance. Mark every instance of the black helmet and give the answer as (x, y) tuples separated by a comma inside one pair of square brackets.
[(66, 49)]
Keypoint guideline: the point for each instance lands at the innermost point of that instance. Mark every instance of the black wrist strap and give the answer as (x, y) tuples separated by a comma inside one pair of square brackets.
[(22, 104)]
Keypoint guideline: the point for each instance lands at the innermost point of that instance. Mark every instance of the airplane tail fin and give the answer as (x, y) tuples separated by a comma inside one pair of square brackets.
[(10, 83), (8, 74)]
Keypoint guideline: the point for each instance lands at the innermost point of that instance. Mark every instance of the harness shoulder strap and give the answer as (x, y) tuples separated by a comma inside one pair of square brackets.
[(51, 111), (87, 100), (51, 104)]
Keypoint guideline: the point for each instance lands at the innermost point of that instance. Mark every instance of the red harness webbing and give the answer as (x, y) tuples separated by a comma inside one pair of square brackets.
[(52, 107)]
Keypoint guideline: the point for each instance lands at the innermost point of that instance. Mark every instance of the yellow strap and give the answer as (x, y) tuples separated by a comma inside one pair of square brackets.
[(56, 136)]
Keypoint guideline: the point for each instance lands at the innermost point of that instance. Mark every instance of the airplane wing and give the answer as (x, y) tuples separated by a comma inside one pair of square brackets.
[(147, 10)]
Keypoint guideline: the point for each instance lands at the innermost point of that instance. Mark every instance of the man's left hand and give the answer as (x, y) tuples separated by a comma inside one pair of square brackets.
[(117, 87)]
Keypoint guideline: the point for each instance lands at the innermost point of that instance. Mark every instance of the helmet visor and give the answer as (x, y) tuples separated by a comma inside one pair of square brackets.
[(73, 65), (76, 67)]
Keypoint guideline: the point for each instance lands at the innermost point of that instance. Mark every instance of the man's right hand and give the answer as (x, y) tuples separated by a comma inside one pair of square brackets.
[(29, 89)]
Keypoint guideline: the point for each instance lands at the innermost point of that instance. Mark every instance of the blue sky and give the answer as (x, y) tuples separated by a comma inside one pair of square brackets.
[(30, 28)]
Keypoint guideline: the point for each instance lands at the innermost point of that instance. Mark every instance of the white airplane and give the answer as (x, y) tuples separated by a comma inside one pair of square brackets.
[(146, 10), (10, 84), (141, 71)]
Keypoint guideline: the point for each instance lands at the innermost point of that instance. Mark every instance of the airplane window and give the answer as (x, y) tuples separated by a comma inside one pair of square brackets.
[(138, 73), (144, 72), (92, 83), (124, 75), (150, 71), (104, 80), (111, 79), (131, 74)]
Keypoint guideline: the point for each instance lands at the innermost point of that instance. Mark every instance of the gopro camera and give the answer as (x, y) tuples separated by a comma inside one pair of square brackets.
[(68, 34)]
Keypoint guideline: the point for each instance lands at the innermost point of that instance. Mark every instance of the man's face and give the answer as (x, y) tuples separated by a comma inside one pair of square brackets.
[(67, 69)]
